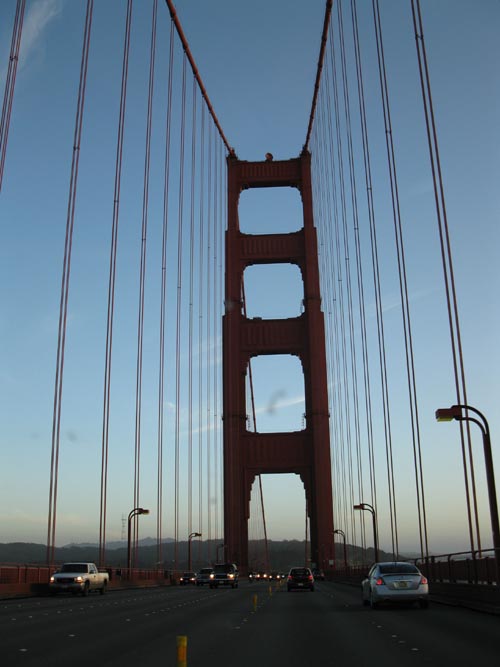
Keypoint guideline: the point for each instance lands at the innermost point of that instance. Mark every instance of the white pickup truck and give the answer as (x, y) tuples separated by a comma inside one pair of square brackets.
[(78, 578)]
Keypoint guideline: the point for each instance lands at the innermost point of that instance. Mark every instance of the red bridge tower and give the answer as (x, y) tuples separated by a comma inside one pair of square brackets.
[(305, 452)]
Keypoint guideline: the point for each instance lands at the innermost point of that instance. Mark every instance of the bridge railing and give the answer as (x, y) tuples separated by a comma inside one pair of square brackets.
[(467, 578), (40, 574), (472, 567)]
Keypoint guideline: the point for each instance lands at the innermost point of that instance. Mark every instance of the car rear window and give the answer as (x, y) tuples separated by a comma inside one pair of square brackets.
[(398, 568), (300, 571)]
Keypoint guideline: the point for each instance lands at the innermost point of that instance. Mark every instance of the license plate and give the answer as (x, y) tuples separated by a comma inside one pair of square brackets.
[(401, 584)]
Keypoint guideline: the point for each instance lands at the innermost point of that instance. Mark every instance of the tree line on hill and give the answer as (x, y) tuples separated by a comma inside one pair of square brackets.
[(281, 554)]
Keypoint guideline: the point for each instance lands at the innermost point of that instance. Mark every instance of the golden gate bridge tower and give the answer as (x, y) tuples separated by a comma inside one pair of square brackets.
[(305, 452)]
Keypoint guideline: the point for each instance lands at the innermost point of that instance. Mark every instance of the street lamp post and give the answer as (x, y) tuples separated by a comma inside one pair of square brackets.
[(457, 412), (341, 532), (369, 508), (135, 512), (191, 535)]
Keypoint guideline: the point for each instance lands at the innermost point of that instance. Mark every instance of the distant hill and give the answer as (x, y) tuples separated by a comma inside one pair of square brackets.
[(282, 554), (122, 544)]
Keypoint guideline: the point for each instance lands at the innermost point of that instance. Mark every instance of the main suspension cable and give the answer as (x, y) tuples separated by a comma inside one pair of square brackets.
[(324, 38), (196, 73)]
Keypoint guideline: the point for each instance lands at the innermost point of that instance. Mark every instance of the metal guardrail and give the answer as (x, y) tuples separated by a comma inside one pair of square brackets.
[(473, 567), (39, 574)]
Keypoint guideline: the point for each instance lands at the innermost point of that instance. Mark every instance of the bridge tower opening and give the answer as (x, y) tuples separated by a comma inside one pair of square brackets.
[(305, 452)]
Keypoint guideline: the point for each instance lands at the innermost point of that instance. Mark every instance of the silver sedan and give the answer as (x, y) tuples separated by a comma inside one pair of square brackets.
[(395, 582)]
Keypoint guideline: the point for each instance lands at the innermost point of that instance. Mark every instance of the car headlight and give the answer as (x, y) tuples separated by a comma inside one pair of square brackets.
[(52, 579), (79, 580), (212, 576), (231, 576)]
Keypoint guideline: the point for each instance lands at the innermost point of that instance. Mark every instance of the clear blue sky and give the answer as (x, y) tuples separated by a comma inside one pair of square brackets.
[(258, 63)]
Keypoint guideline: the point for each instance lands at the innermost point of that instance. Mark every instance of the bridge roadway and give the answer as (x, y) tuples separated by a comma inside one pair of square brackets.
[(298, 629)]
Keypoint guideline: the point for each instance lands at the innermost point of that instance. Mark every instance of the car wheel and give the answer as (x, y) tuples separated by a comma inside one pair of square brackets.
[(85, 591), (103, 589), (312, 589), (365, 602), (423, 604), (373, 603)]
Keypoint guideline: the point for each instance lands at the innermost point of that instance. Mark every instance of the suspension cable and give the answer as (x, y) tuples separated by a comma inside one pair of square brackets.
[(142, 279), (324, 37), (10, 83), (179, 308), (196, 73), (163, 298), (63, 309), (447, 261), (201, 284), (111, 291)]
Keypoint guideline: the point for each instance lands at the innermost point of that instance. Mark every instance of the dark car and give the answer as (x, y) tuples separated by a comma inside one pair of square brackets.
[(318, 574), (224, 574), (187, 578), (300, 578), (203, 576)]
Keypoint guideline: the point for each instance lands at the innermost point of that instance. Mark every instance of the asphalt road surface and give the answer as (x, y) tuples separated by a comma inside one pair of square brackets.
[(230, 628)]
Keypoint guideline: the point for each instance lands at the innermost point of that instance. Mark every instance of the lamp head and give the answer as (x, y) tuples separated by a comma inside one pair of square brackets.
[(449, 414)]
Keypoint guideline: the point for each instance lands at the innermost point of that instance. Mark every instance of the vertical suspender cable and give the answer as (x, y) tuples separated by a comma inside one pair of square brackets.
[(354, 206), (209, 339), (63, 309), (447, 261), (10, 83), (371, 217), (201, 283), (163, 298), (111, 291), (142, 278), (222, 229), (190, 315), (215, 314), (405, 302), (344, 286), (179, 312)]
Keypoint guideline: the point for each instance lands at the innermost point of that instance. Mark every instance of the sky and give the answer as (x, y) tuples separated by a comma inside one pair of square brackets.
[(258, 63)]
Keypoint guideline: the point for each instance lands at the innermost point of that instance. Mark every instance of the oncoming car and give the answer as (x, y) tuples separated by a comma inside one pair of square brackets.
[(203, 576), (395, 582), (187, 578), (224, 574)]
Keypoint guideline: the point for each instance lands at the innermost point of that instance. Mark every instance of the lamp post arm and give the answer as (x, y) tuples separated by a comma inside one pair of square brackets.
[(470, 408)]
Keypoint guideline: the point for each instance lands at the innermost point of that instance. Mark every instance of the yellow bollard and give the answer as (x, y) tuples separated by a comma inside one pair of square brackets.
[(255, 602), (182, 641)]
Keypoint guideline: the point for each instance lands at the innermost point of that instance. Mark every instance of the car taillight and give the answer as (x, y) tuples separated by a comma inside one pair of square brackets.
[(290, 578), (423, 580), (379, 582), (310, 577)]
